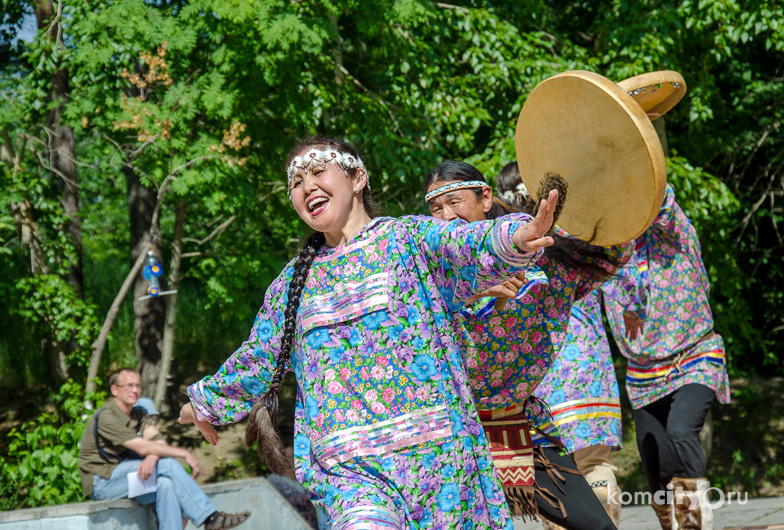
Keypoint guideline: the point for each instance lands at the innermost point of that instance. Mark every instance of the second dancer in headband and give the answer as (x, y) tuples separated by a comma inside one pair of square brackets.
[(510, 345)]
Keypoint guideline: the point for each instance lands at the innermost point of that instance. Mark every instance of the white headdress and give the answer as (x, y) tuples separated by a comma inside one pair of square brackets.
[(317, 156)]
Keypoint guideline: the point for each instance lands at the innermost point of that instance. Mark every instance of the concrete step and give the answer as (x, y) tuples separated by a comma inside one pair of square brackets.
[(269, 510)]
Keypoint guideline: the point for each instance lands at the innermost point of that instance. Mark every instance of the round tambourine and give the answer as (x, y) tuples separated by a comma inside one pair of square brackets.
[(656, 92), (587, 129)]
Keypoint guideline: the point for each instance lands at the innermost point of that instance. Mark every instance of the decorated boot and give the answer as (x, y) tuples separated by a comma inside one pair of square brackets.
[(610, 497), (664, 512), (692, 511)]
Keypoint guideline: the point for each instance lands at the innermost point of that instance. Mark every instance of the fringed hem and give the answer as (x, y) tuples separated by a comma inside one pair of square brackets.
[(522, 502)]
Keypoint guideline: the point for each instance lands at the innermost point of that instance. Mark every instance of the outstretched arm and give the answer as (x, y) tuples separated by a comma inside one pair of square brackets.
[(229, 394), (532, 237)]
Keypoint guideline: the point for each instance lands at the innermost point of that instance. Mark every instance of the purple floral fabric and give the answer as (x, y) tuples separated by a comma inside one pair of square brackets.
[(581, 388), (510, 350), (383, 398), (678, 344)]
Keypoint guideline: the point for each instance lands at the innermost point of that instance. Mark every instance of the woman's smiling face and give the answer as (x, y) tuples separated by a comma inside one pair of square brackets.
[(459, 204), (322, 196)]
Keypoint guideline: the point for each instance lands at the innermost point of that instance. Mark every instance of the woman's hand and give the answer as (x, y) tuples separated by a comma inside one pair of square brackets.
[(188, 415), (503, 291), (633, 326), (531, 236)]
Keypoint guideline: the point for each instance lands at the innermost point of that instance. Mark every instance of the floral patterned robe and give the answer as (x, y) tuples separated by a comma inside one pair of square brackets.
[(581, 388), (386, 431), (678, 344), (511, 350)]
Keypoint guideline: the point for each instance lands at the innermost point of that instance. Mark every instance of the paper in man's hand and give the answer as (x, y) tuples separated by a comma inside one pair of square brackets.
[(136, 487)]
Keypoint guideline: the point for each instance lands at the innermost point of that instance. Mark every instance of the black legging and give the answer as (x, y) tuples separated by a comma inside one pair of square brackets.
[(583, 509), (668, 435)]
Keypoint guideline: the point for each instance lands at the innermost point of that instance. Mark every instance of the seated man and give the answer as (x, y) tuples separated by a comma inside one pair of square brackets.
[(120, 439)]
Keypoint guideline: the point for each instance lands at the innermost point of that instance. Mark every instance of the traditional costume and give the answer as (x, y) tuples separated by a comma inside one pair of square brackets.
[(582, 392), (386, 431), (510, 351), (677, 364)]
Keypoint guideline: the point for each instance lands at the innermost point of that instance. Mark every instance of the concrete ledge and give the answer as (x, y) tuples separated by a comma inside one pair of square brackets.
[(269, 510)]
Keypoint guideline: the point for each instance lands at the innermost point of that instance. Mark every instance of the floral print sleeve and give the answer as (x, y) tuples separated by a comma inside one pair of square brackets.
[(673, 226), (467, 258), (625, 289), (228, 395)]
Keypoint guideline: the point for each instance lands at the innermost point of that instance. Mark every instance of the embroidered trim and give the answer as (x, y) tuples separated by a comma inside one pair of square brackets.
[(649, 376), (501, 241), (469, 184), (346, 301), (343, 160), (511, 447), (420, 426), (580, 409)]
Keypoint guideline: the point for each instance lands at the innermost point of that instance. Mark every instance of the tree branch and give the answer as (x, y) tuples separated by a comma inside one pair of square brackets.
[(214, 233), (111, 316)]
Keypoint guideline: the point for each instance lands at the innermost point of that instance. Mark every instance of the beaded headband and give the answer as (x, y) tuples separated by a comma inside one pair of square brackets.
[(454, 186), (344, 161)]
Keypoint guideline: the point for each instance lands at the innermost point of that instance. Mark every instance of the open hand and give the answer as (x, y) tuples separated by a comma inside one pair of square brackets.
[(633, 326), (531, 236), (188, 415)]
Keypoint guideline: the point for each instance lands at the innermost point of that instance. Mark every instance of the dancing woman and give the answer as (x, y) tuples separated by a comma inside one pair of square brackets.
[(510, 346), (386, 431), (581, 388)]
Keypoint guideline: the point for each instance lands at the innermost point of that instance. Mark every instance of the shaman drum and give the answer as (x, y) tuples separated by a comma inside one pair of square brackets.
[(591, 132), (656, 92)]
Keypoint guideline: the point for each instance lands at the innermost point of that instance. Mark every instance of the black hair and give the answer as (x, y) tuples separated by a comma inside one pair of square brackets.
[(506, 185), (263, 420), (451, 170), (371, 207), (573, 253)]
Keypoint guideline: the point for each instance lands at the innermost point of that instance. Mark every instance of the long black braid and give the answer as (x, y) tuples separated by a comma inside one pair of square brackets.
[(263, 419)]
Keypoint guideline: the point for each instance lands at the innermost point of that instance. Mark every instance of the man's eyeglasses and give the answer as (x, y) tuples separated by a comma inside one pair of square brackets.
[(130, 386)]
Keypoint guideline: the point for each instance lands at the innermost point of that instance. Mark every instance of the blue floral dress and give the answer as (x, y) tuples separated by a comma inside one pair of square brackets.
[(678, 345), (581, 388), (509, 351), (386, 431)]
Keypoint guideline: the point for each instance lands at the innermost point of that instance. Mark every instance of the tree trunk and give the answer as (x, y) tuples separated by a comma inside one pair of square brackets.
[(148, 314), (62, 151), (167, 355), (30, 238)]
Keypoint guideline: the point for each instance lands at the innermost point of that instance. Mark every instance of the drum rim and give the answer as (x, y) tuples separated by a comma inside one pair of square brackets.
[(666, 78), (638, 117)]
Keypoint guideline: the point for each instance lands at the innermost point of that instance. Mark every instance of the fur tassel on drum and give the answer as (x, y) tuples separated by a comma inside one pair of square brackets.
[(262, 429), (552, 181)]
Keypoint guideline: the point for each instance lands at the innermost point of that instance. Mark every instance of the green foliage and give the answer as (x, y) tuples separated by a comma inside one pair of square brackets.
[(41, 467), (48, 300), (203, 100)]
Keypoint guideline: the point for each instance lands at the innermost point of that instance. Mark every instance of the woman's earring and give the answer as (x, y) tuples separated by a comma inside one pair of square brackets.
[(356, 190)]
